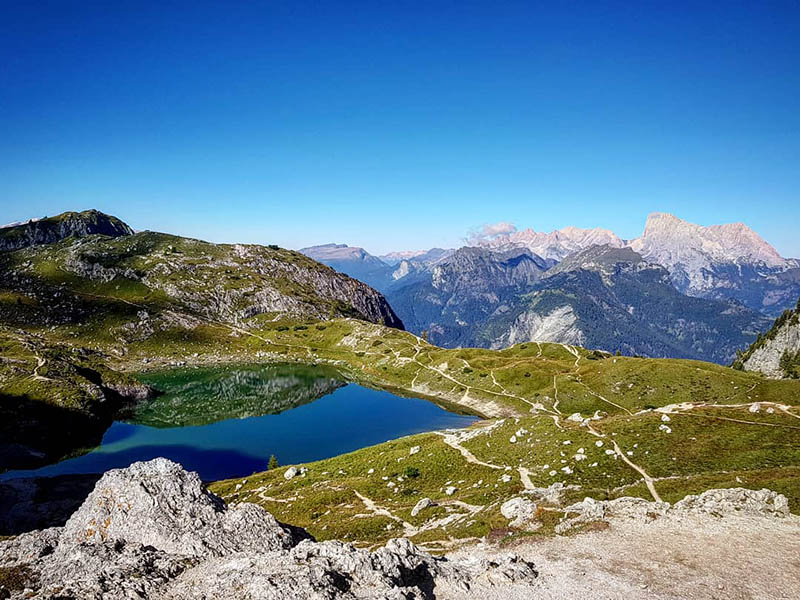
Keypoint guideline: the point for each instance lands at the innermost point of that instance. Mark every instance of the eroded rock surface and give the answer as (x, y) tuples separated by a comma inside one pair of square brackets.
[(153, 531), (716, 503)]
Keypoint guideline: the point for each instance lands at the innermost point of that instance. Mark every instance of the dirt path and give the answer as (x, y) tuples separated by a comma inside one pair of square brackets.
[(694, 558), (453, 441)]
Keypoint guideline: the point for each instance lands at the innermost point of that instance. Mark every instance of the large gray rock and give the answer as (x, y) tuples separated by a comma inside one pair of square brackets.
[(153, 531), (159, 504), (765, 356)]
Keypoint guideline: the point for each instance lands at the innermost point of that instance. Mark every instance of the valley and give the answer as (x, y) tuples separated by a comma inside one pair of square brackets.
[(129, 334)]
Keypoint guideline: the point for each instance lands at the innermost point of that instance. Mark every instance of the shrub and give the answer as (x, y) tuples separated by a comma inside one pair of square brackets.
[(411, 472)]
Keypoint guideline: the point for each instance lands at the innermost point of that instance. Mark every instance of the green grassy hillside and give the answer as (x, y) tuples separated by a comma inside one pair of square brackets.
[(603, 426)]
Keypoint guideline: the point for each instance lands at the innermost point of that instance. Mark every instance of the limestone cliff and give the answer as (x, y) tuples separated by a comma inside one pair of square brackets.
[(776, 353)]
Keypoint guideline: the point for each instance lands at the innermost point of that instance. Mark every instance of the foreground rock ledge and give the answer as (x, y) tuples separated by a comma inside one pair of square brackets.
[(153, 531)]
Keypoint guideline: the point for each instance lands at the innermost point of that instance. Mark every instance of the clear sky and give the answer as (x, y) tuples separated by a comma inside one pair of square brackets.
[(399, 125)]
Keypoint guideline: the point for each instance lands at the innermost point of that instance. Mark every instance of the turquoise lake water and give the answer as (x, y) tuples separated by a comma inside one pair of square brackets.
[(226, 422)]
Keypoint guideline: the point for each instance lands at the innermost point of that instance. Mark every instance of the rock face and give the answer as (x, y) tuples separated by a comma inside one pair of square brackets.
[(53, 229), (153, 531), (776, 353), (158, 503), (721, 261)]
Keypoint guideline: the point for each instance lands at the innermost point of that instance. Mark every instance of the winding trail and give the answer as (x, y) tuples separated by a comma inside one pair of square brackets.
[(453, 441), (375, 509)]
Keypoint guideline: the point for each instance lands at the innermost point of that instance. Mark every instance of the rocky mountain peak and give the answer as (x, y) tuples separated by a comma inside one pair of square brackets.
[(557, 244), (670, 240), (49, 230)]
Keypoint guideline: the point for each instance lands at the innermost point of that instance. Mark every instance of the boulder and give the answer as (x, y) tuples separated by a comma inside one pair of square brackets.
[(521, 512), (733, 501), (422, 505), (157, 503)]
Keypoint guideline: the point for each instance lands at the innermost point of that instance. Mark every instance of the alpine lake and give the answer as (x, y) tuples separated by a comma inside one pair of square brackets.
[(227, 421)]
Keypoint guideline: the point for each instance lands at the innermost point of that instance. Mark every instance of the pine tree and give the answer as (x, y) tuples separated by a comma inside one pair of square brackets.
[(273, 463)]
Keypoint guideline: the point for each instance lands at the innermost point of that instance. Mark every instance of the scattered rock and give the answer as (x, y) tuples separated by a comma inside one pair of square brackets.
[(736, 501), (422, 505), (720, 503), (450, 490), (413, 450), (293, 472), (521, 512)]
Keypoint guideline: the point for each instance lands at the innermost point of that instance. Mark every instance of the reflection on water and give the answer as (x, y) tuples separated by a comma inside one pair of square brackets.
[(202, 396), (226, 422)]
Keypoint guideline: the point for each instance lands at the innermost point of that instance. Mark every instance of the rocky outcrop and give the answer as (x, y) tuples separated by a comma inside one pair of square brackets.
[(53, 229), (153, 531), (776, 354), (716, 503)]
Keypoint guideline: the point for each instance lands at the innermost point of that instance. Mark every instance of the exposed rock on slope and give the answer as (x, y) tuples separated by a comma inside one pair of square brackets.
[(776, 353), (162, 278), (54, 229), (152, 531)]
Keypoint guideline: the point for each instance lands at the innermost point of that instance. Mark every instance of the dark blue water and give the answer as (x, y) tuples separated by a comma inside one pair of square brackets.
[(212, 421)]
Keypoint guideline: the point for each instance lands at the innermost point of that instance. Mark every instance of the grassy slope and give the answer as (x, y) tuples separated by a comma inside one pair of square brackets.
[(527, 391)]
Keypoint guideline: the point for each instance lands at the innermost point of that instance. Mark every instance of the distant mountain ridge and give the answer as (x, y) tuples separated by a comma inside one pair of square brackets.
[(717, 284), (557, 244), (601, 297), (720, 261)]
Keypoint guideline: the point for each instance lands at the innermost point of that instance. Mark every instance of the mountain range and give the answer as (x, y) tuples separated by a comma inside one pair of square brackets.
[(680, 289)]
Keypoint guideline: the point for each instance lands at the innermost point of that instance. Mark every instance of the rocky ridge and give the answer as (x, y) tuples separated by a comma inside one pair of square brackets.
[(557, 244), (53, 229), (153, 531), (720, 261)]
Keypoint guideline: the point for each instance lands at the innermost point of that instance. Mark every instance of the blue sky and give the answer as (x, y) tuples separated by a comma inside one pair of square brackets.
[(396, 125)]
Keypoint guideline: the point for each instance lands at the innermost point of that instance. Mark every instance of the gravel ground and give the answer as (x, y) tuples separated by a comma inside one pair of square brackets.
[(734, 558)]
